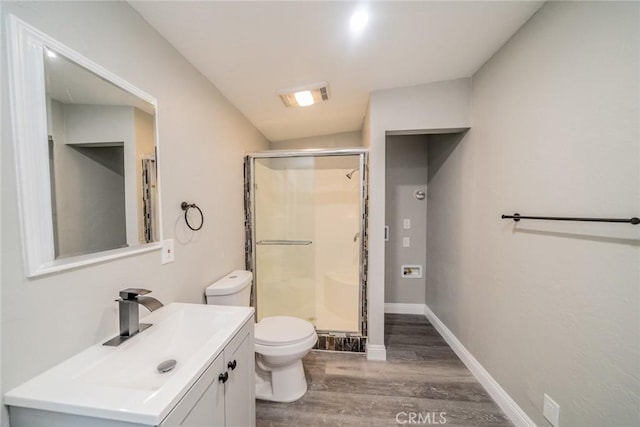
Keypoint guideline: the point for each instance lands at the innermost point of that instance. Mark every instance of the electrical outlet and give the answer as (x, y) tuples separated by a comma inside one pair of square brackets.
[(406, 242), (551, 410), (406, 224), (168, 255)]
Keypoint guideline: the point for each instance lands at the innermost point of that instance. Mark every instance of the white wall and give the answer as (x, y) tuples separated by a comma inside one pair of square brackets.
[(406, 162), (334, 140), (430, 107), (202, 142), (547, 307)]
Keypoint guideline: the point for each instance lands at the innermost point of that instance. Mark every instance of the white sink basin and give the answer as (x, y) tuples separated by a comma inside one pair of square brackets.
[(178, 335), (123, 383)]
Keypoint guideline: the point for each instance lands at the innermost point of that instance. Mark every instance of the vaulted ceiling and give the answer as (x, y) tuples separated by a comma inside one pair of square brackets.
[(250, 50)]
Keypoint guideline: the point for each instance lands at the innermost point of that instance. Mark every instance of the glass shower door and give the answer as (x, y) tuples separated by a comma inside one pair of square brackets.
[(284, 228), (306, 243)]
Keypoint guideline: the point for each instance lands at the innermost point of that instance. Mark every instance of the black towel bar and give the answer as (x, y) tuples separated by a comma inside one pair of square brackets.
[(518, 217)]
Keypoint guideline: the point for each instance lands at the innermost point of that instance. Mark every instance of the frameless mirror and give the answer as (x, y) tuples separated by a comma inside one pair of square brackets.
[(86, 157)]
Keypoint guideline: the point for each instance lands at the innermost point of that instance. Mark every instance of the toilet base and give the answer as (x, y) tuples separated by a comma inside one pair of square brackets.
[(280, 383)]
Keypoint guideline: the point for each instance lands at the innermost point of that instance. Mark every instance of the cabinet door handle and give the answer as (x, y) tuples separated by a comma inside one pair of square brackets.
[(223, 377), (232, 365)]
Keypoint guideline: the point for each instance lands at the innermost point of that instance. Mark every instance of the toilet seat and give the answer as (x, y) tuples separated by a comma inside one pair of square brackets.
[(283, 331)]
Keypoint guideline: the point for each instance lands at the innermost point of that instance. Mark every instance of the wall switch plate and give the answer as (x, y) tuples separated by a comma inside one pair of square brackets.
[(406, 242), (406, 224), (411, 271), (551, 410), (167, 252)]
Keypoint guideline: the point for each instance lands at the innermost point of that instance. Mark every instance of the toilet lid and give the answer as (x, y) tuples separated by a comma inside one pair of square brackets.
[(282, 330)]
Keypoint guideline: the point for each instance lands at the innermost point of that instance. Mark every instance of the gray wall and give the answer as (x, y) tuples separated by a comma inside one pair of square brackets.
[(106, 123), (202, 142), (547, 307), (406, 162), (335, 140)]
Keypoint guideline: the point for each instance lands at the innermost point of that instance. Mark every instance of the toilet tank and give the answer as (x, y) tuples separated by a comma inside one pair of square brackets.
[(232, 289)]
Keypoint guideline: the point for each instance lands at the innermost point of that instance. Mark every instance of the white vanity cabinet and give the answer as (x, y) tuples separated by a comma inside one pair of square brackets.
[(224, 394), (239, 390), (203, 405), (201, 392)]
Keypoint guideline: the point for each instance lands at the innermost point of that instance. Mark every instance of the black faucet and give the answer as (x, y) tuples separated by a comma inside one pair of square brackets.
[(129, 315)]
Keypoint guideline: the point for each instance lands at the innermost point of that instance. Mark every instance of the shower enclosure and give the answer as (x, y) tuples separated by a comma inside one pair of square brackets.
[(306, 240)]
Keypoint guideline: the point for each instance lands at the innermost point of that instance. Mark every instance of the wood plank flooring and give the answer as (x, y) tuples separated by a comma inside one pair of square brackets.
[(422, 376)]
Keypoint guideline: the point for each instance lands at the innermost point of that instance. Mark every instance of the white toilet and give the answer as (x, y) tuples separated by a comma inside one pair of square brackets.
[(280, 341)]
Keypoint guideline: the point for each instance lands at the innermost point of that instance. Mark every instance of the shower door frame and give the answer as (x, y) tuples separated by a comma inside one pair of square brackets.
[(327, 339)]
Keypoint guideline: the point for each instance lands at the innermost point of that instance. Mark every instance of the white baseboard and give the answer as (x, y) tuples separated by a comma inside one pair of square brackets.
[(376, 352), (402, 308), (504, 401)]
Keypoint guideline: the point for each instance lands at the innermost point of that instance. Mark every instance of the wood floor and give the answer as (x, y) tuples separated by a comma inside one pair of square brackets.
[(422, 378)]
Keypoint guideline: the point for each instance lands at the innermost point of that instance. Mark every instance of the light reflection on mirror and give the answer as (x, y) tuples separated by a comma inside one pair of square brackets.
[(102, 161)]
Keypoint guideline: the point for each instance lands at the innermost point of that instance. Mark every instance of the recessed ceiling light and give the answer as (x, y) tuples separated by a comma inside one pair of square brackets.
[(303, 96), (359, 20)]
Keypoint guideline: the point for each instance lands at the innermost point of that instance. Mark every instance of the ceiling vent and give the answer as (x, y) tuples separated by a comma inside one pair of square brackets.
[(303, 96)]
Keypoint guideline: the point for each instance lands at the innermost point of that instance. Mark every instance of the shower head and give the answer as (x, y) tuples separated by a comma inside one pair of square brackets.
[(350, 174)]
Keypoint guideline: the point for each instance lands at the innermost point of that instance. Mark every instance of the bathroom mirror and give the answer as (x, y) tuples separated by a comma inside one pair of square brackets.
[(86, 157)]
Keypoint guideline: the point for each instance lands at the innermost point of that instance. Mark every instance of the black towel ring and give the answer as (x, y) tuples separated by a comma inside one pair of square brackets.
[(185, 207)]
